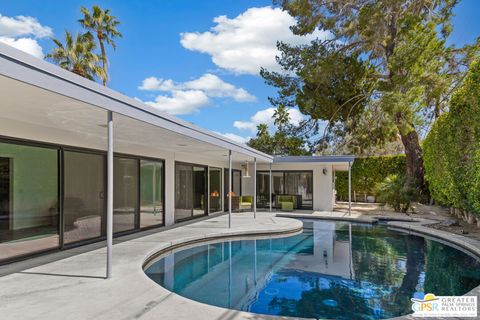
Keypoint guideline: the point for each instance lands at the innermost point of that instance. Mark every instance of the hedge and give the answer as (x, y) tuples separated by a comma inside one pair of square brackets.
[(367, 172), (452, 149)]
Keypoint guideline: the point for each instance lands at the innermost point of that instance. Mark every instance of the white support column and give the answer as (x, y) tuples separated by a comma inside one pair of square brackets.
[(349, 188), (254, 188), (230, 178), (109, 195), (270, 188)]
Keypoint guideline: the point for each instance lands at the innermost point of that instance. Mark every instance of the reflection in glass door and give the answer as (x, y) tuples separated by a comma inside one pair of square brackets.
[(215, 189), (236, 187), (199, 191), (151, 193), (84, 196), (190, 191), (125, 195)]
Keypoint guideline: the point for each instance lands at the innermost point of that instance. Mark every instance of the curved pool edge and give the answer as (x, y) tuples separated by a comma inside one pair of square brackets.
[(295, 226), (410, 225), (416, 226)]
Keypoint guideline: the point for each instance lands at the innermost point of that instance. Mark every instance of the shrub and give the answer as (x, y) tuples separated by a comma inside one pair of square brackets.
[(452, 149), (367, 173), (394, 192)]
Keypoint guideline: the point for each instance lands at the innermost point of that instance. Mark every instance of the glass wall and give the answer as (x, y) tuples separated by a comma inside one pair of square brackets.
[(263, 189), (199, 190), (125, 195), (215, 189), (190, 191), (29, 210), (295, 183), (236, 186), (151, 193), (84, 196), (300, 183)]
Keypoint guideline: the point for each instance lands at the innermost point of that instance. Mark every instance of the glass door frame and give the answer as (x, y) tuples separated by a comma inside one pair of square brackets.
[(58, 148), (206, 195), (284, 183), (225, 186), (221, 187)]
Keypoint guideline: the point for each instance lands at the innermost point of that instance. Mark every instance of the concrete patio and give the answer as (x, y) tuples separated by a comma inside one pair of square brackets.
[(75, 288)]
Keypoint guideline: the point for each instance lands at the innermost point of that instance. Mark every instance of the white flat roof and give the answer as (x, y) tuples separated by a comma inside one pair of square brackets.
[(20, 66), (310, 159)]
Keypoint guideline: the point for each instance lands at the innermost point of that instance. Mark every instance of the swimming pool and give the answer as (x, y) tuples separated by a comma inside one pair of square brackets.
[(332, 270)]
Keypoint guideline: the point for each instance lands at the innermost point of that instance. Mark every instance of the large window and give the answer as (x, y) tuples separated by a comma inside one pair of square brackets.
[(29, 212), (215, 189), (151, 193), (236, 187), (294, 183), (84, 196), (190, 191), (125, 196)]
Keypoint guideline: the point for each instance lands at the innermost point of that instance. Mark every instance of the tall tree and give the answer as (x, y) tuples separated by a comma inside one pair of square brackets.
[(77, 55), (104, 26), (282, 142), (395, 54)]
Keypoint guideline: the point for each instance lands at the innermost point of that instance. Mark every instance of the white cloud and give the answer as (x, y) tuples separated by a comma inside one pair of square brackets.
[(247, 42), (234, 137), (189, 96), (180, 102), (23, 26), (28, 45), (21, 32), (266, 117)]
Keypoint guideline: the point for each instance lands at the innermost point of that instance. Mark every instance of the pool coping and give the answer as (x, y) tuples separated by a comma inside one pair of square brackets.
[(415, 226)]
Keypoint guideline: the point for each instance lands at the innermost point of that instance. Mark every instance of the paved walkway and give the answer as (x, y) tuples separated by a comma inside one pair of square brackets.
[(74, 287)]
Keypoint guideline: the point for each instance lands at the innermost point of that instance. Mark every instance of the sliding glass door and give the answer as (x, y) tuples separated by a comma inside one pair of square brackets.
[(292, 183), (215, 189), (84, 204), (236, 186), (190, 191), (125, 195), (151, 193), (29, 193)]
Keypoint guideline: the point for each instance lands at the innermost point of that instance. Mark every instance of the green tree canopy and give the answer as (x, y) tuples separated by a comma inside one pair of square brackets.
[(382, 73)]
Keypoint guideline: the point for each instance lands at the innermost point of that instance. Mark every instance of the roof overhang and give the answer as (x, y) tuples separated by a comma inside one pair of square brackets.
[(314, 159), (57, 93)]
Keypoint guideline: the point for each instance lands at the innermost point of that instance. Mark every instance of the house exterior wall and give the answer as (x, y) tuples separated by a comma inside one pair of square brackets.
[(323, 189)]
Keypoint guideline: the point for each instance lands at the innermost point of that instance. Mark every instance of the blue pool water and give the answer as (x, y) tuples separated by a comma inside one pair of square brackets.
[(332, 270)]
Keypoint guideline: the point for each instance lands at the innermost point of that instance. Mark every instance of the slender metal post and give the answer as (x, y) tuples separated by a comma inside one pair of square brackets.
[(230, 178), (349, 188), (109, 194), (270, 187), (254, 188)]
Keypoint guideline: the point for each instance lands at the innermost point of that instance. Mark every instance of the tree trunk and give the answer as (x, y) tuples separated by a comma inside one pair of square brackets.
[(414, 159), (104, 57)]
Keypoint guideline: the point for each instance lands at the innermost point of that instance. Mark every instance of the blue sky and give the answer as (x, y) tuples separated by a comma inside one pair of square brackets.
[(214, 78)]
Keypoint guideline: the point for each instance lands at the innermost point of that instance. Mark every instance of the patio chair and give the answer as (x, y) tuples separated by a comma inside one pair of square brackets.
[(246, 202), (286, 202)]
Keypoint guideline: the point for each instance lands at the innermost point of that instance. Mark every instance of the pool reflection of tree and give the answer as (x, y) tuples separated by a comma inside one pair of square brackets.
[(447, 272), (291, 277)]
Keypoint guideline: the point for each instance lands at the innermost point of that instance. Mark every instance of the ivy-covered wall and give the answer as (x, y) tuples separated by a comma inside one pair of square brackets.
[(366, 173), (452, 149)]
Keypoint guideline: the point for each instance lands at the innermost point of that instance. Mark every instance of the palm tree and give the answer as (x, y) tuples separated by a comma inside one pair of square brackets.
[(77, 55), (104, 25), (281, 117)]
